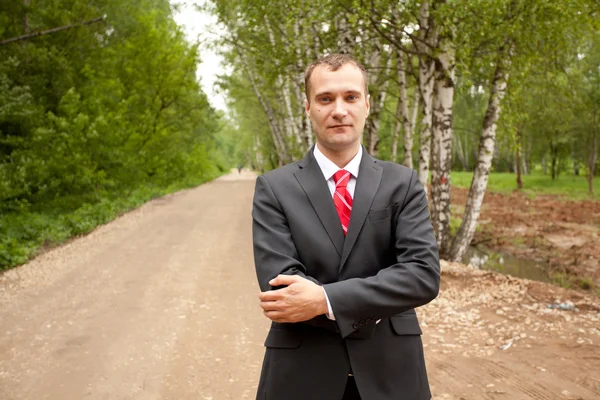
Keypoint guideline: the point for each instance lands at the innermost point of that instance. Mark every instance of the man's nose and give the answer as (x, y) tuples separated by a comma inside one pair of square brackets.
[(340, 109)]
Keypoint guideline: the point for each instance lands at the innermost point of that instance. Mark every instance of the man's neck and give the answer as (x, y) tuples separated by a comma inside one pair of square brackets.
[(340, 158)]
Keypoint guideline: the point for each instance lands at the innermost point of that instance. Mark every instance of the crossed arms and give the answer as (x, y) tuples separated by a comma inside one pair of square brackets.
[(290, 295)]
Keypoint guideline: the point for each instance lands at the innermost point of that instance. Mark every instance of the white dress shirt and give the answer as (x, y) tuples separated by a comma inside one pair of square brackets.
[(329, 168)]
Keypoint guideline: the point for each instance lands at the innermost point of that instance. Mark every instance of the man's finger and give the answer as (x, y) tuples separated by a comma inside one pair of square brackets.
[(284, 280), (276, 316), (270, 305), (271, 295)]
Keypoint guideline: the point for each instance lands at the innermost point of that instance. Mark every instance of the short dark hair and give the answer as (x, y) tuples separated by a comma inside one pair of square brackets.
[(334, 61)]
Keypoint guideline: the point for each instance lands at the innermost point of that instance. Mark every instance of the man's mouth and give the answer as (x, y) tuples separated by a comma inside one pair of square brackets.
[(337, 126)]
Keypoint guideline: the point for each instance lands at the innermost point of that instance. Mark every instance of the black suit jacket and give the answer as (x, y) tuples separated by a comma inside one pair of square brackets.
[(386, 266)]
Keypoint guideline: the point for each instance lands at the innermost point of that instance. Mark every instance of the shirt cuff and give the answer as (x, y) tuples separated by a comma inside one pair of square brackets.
[(329, 310)]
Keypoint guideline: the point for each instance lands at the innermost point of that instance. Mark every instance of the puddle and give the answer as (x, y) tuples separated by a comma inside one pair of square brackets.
[(504, 263)]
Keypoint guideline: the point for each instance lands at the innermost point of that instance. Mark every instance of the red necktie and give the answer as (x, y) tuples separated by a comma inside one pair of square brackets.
[(342, 198)]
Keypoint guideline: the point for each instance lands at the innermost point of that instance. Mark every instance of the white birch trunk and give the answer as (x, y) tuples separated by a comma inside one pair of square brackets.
[(396, 132), (409, 140), (278, 140), (426, 68), (403, 108), (442, 145), (484, 160), (258, 154), (460, 153), (371, 131), (303, 122), (592, 157), (426, 71), (290, 127), (415, 110)]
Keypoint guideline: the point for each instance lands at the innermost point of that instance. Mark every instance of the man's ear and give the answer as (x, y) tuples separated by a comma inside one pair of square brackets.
[(307, 107), (368, 104)]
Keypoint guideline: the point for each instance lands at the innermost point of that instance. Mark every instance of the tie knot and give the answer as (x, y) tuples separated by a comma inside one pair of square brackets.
[(341, 178)]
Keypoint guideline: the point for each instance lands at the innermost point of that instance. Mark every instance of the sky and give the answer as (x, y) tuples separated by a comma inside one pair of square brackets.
[(203, 27)]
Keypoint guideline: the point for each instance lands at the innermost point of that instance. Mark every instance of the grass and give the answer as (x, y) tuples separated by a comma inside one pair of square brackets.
[(23, 234), (569, 186)]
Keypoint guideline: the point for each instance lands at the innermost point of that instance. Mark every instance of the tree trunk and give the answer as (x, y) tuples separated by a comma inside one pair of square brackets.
[(544, 166), (441, 158), (461, 153), (280, 145), (49, 31), (396, 132), (289, 118), (525, 157), (484, 161), (303, 121), (518, 158), (413, 122), (427, 32), (403, 106), (554, 160), (258, 153), (377, 105), (592, 159)]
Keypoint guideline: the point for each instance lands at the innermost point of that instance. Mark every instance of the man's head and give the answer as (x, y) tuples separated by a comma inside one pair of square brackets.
[(337, 102), (333, 62)]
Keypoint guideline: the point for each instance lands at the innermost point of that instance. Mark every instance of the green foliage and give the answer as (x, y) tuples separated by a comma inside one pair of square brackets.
[(95, 114)]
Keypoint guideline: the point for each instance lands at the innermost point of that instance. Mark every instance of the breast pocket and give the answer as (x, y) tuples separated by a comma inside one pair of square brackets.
[(384, 213)]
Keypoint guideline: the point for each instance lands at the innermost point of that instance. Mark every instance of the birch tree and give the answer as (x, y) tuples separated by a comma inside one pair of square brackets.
[(517, 17)]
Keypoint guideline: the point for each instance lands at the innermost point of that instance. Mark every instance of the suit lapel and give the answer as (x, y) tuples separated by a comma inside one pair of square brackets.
[(369, 177), (311, 179)]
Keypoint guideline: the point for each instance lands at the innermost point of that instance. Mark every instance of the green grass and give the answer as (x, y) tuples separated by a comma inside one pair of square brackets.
[(23, 234), (569, 186)]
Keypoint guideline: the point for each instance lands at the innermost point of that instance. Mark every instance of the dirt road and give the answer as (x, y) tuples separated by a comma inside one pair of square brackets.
[(161, 304)]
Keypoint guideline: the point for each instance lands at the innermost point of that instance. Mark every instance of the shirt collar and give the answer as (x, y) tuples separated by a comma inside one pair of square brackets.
[(329, 168)]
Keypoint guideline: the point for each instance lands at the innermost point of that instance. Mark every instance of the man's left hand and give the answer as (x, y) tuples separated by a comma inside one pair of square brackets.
[(300, 301)]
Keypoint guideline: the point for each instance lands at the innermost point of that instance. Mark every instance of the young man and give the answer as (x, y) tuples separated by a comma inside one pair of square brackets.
[(344, 252)]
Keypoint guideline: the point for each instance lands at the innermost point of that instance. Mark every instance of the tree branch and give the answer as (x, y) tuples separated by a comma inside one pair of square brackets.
[(49, 31)]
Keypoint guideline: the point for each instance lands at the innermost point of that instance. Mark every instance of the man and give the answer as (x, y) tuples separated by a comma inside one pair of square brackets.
[(344, 252)]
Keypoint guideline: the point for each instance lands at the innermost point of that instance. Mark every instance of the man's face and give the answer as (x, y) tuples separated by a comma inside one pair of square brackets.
[(338, 106)]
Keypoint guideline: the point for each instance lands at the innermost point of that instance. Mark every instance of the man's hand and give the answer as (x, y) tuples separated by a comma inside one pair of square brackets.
[(300, 301)]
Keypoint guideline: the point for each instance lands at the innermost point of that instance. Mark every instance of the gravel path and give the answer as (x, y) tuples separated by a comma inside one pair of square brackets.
[(162, 304)]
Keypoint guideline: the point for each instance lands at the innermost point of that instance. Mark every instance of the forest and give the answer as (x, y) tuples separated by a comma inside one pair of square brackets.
[(101, 108), (476, 86), (100, 111)]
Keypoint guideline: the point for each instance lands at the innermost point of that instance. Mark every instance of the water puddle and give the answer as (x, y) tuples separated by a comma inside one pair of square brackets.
[(483, 258)]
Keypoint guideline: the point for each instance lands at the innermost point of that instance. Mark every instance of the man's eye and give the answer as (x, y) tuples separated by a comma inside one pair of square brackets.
[(352, 97), (325, 99)]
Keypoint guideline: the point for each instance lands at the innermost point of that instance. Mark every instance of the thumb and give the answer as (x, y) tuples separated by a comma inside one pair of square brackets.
[(284, 280)]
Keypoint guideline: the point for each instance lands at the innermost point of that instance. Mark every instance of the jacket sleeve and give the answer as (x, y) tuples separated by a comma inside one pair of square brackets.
[(274, 250), (411, 282)]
